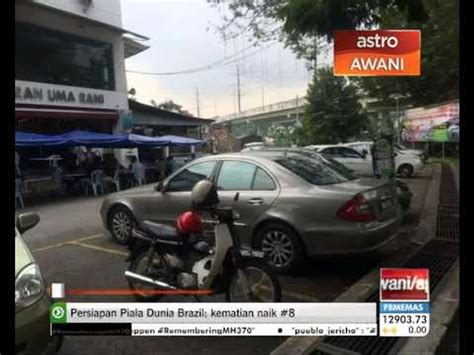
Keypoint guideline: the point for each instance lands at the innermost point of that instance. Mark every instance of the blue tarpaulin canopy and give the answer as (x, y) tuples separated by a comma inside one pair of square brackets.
[(90, 139), (99, 140), (26, 139), (137, 140)]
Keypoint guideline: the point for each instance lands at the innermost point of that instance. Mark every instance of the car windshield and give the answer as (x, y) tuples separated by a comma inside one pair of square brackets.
[(314, 171)]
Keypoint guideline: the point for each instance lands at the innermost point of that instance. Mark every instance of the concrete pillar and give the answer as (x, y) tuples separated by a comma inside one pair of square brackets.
[(193, 149), (167, 151)]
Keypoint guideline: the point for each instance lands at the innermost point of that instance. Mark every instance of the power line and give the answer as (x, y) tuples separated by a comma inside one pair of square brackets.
[(221, 63), (212, 65)]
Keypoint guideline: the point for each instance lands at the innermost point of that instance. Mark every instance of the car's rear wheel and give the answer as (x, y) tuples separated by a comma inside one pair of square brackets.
[(121, 222), (283, 248), (405, 171)]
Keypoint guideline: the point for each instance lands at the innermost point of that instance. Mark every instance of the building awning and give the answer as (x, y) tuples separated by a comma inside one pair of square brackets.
[(26, 112), (132, 47)]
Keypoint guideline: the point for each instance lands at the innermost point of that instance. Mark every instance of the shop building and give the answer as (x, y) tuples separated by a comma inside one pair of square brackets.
[(70, 65)]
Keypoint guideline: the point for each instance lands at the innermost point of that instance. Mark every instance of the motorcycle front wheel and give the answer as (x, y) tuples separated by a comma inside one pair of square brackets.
[(262, 284), (140, 266)]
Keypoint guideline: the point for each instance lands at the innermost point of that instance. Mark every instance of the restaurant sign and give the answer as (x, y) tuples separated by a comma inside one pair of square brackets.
[(59, 95)]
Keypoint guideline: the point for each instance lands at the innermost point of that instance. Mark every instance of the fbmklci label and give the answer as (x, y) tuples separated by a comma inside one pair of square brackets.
[(404, 309)]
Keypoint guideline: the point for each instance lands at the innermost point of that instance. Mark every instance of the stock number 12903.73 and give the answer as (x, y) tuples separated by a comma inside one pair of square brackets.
[(405, 319)]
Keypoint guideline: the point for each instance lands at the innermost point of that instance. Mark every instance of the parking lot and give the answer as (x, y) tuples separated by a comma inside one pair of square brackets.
[(71, 247)]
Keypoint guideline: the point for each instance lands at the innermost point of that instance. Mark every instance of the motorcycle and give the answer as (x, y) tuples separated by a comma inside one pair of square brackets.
[(162, 257)]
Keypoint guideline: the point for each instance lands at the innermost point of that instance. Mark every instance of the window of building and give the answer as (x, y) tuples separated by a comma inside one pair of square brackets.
[(47, 56)]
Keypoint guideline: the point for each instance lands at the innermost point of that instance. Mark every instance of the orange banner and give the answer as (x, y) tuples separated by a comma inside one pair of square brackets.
[(377, 53)]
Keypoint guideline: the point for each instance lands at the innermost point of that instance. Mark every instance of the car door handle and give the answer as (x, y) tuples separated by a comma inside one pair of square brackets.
[(255, 201)]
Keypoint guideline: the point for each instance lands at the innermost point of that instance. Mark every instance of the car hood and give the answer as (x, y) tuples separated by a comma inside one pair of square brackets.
[(145, 189)]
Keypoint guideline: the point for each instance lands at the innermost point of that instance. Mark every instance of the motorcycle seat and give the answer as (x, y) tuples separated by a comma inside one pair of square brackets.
[(162, 232)]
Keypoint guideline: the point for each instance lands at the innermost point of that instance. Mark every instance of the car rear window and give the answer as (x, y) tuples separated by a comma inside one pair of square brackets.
[(340, 168), (316, 172)]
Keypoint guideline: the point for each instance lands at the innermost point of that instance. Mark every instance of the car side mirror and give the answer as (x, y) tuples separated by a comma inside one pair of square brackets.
[(26, 221), (236, 197), (160, 187), (364, 154)]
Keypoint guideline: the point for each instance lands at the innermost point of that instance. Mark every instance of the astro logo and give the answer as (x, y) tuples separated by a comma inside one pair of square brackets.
[(404, 285)]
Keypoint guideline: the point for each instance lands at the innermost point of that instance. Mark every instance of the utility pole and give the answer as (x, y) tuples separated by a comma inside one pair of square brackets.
[(315, 53), (238, 89), (263, 97), (197, 102), (297, 109), (397, 98)]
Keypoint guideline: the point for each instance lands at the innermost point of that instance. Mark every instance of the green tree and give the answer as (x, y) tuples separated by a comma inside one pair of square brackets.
[(301, 22), (439, 80), (334, 113), (170, 105)]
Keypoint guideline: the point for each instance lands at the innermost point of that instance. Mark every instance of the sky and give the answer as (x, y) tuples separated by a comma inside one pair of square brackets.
[(183, 35)]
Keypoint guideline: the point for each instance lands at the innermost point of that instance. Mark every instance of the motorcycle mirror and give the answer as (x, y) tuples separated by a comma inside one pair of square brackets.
[(236, 197)]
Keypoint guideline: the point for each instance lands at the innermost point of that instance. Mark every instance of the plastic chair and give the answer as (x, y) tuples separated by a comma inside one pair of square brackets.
[(58, 178), (115, 180), (96, 182), (140, 175), (18, 196)]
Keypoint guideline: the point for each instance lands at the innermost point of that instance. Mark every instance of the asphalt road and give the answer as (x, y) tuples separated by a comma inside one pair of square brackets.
[(70, 247)]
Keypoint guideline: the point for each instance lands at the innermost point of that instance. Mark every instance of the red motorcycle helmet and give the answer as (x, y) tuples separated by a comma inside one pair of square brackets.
[(189, 222)]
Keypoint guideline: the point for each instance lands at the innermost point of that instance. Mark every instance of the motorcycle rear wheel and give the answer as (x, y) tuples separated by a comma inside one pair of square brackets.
[(263, 283), (139, 266)]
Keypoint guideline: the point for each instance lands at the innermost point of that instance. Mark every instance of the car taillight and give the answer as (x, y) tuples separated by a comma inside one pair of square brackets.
[(356, 210)]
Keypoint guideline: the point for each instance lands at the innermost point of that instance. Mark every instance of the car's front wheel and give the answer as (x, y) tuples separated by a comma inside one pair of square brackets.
[(282, 247), (121, 222)]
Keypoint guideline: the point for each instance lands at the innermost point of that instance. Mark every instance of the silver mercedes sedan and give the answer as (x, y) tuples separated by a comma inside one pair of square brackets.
[(290, 206)]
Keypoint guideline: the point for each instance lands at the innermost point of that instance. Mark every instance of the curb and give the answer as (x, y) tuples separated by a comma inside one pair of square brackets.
[(443, 309), (359, 291)]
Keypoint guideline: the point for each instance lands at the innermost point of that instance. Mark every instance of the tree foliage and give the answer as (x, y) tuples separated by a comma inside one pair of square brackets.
[(334, 113), (170, 105), (439, 80), (302, 22)]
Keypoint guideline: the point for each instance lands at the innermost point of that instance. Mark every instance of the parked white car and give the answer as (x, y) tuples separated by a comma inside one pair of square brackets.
[(406, 165), (399, 148), (404, 150)]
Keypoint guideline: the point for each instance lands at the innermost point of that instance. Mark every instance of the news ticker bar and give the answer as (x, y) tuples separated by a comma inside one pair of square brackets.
[(215, 313), (396, 319), (230, 329)]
